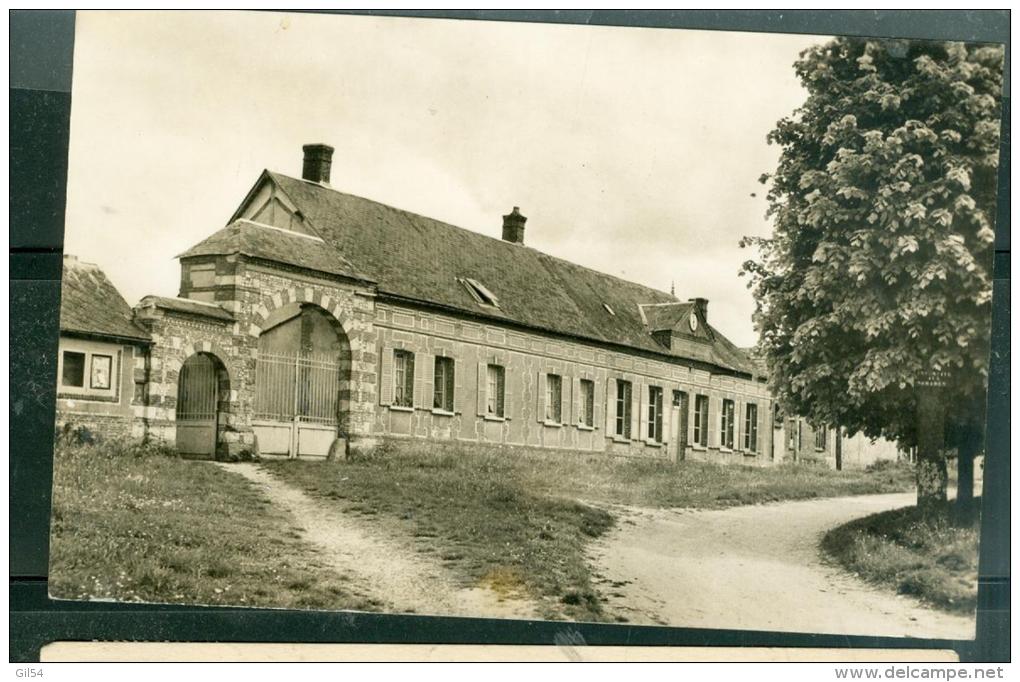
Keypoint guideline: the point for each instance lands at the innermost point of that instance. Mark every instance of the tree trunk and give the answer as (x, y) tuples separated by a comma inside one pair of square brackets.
[(970, 445), (932, 478)]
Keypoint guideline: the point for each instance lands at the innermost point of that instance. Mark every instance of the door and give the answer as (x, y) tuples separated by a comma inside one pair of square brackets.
[(296, 404), (197, 396), (681, 410)]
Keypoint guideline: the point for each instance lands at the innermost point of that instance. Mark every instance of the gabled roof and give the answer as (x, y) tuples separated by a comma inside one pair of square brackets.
[(276, 244), (416, 258), (90, 305)]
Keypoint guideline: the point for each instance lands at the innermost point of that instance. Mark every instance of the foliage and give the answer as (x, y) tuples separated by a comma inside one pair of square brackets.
[(879, 268)]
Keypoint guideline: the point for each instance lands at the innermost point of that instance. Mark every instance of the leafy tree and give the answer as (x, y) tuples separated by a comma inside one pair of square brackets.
[(879, 268)]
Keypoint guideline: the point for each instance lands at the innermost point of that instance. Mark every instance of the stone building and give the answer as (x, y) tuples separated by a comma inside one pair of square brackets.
[(796, 440), (101, 354), (319, 323)]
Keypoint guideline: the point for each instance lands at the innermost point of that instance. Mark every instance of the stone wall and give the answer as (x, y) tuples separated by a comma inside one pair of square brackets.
[(252, 291), (526, 357)]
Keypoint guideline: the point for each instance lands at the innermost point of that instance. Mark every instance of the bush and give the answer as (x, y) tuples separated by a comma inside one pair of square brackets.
[(79, 441), (885, 465)]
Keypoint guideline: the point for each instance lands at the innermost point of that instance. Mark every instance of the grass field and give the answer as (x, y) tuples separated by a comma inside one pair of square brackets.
[(132, 524), (925, 557), (527, 518)]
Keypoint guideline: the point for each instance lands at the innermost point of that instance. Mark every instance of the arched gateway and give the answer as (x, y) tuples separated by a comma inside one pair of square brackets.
[(303, 360), (203, 384)]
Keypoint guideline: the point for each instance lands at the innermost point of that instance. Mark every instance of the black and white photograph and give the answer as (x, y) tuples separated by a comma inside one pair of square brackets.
[(533, 321)]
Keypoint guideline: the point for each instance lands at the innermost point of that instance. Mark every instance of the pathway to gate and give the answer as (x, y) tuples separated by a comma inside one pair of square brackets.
[(384, 567)]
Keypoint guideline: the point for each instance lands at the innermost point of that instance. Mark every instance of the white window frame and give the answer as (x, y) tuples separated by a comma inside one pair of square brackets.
[(495, 390), (586, 415), (751, 427), (701, 420), (444, 383), (403, 378), (726, 425), (654, 416), (554, 398), (624, 398)]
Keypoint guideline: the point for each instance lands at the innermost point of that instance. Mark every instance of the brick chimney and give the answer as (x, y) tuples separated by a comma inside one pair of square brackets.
[(701, 305), (318, 159), (513, 226)]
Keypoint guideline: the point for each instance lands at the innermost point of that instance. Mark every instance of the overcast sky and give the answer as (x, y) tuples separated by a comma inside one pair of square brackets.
[(633, 151)]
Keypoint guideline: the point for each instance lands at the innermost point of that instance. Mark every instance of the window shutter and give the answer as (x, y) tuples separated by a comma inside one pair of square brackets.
[(540, 397), (714, 421), (637, 421), (386, 376), (610, 407), (691, 416), (566, 391), (425, 379), (482, 382), (458, 389), (738, 424), (667, 413), (574, 416), (760, 445), (597, 404), (645, 404)]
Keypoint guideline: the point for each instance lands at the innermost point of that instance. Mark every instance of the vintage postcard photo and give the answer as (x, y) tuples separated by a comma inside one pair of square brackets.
[(526, 321)]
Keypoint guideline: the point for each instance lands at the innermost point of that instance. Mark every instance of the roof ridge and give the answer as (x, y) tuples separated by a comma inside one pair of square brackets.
[(464, 229)]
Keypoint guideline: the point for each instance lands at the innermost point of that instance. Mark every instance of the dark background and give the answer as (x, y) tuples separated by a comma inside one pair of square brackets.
[(41, 49)]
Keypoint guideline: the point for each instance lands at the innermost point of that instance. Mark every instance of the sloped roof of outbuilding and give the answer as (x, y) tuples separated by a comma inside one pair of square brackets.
[(416, 258), (276, 244), (92, 306), (187, 305)]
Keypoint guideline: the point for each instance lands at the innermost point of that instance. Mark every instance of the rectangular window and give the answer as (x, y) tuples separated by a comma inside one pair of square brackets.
[(101, 368), (442, 398), (73, 373), (701, 420), (494, 396), (751, 428), (794, 431), (726, 434), (403, 378), (587, 406), (655, 414), (623, 407), (820, 437), (553, 398)]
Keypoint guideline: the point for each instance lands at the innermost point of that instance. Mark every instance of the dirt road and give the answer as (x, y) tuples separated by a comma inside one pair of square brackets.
[(757, 567), (382, 567)]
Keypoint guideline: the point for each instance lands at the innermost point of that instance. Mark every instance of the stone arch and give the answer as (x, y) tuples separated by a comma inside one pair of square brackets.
[(282, 308), (221, 418), (300, 295)]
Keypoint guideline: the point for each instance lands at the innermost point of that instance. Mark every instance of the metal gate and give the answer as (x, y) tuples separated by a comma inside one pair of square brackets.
[(197, 395), (296, 404)]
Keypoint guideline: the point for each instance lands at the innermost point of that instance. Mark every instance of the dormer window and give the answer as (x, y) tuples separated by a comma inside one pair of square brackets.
[(480, 292)]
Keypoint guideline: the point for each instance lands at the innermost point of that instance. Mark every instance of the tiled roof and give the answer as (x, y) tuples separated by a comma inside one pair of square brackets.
[(186, 305), (755, 358), (271, 243), (421, 259), (90, 304)]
